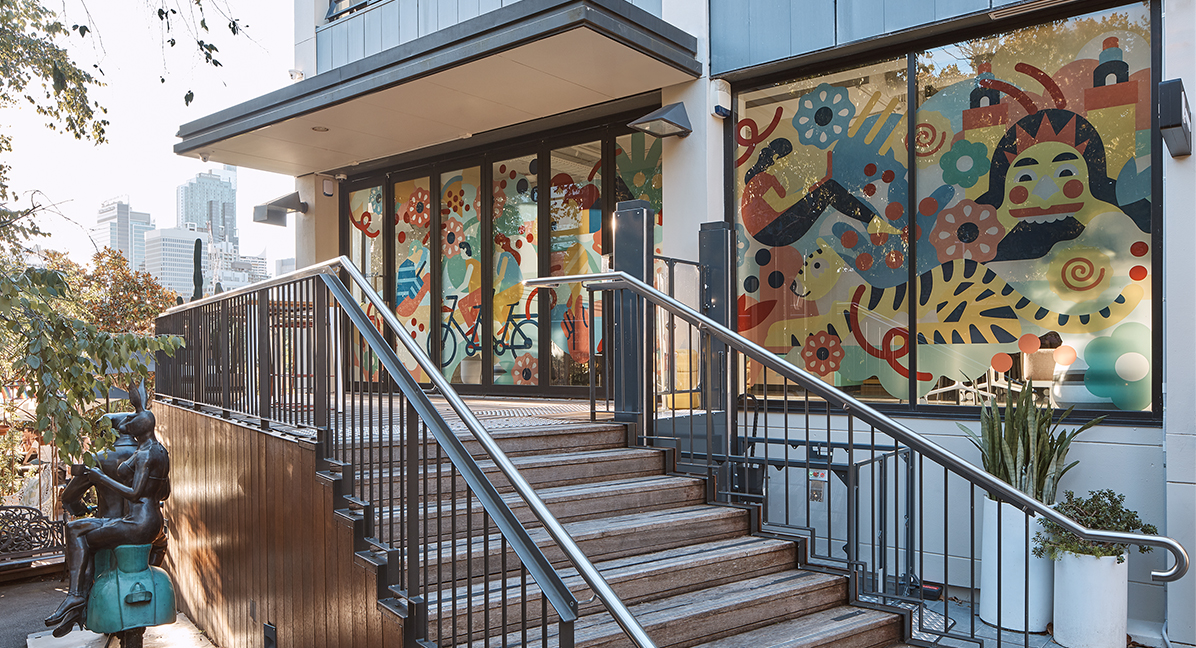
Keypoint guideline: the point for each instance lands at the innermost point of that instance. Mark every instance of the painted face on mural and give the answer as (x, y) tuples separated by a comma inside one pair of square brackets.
[(819, 273), (1047, 183)]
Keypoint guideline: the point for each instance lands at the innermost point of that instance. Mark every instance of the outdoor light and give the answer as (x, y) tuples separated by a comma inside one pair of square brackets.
[(665, 122), (1175, 119)]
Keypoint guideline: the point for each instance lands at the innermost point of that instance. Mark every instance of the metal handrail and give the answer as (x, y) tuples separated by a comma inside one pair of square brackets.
[(618, 610), (976, 475), (598, 585)]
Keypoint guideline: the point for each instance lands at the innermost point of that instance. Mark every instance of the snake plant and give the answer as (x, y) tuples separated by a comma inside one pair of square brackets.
[(1024, 450)]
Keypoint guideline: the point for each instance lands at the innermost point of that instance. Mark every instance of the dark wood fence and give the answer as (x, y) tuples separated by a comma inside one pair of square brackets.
[(255, 540)]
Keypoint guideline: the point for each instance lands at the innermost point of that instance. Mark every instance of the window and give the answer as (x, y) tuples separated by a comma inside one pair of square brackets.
[(1024, 250)]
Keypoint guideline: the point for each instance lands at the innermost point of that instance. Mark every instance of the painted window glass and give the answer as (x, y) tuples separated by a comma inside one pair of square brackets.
[(1039, 139), (366, 252), (413, 265), (639, 175), (1032, 221), (516, 257), (575, 208), (823, 227), (461, 275)]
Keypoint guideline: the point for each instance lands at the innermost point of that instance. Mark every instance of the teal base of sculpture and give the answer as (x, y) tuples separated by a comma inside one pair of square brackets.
[(128, 593)]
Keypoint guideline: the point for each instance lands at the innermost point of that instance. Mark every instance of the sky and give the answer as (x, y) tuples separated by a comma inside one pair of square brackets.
[(138, 161)]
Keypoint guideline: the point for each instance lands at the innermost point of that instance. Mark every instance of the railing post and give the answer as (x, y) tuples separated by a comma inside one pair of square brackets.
[(264, 358), (224, 349), (632, 253), (716, 259), (321, 402), (417, 617)]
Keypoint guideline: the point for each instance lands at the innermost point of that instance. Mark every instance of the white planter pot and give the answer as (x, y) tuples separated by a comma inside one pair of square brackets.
[(1091, 601), (1025, 604)]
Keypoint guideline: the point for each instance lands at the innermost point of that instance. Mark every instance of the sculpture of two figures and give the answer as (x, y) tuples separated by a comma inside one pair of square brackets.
[(113, 588)]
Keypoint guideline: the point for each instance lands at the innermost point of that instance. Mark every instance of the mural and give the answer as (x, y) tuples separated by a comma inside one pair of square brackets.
[(461, 275), (366, 251), (575, 209), (413, 267), (516, 257), (1026, 243), (639, 176)]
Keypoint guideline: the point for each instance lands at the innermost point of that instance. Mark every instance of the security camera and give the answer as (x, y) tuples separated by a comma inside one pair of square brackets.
[(342, 177), (296, 75), (203, 157)]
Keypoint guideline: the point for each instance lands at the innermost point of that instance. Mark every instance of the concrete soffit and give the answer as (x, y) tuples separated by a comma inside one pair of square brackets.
[(529, 60)]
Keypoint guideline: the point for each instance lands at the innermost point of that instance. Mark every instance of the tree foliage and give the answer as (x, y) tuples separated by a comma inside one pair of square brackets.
[(67, 336)]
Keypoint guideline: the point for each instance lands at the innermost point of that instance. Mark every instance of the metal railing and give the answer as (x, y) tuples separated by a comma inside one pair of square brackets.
[(866, 495), (307, 351)]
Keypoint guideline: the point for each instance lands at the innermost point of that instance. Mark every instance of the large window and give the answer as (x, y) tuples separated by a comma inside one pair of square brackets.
[(463, 234), (1012, 241)]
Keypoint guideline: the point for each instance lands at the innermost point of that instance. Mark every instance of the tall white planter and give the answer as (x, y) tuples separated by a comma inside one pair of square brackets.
[(1022, 601), (1091, 601)]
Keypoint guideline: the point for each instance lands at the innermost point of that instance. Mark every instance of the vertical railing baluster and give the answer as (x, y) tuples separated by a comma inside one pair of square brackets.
[(263, 376)]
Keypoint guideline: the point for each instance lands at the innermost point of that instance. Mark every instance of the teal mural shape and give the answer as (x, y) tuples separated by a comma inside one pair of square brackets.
[(1119, 367)]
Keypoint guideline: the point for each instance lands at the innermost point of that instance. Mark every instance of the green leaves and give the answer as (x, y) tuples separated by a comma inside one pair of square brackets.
[(1025, 452), (1102, 510)]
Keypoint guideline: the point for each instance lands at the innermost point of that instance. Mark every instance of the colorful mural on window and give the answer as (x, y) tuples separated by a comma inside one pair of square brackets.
[(461, 275), (516, 257), (413, 265), (638, 165), (576, 248), (1031, 222), (366, 252)]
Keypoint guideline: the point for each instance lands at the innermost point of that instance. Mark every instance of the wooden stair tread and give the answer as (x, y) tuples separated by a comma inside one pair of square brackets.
[(842, 626), (687, 619)]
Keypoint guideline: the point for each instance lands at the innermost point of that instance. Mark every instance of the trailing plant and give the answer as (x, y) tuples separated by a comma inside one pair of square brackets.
[(1023, 449), (1104, 510)]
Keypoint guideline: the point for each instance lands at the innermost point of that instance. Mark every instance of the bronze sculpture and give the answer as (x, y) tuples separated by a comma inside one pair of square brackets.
[(131, 484)]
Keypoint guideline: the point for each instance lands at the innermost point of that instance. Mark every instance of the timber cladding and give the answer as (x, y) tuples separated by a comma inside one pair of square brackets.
[(254, 539)]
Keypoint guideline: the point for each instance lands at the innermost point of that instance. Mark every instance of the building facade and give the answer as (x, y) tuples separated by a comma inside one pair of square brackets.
[(939, 197), (170, 258), (209, 200), (121, 228)]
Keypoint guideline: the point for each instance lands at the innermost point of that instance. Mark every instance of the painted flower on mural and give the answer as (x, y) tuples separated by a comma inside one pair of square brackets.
[(1119, 366), (967, 231), (823, 115), (526, 370), (454, 236), (965, 163), (822, 353), (419, 209)]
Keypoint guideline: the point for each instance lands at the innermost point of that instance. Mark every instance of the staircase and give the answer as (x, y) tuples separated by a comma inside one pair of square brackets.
[(692, 573)]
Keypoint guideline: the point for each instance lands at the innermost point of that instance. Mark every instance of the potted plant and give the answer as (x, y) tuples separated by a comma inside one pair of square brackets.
[(1024, 450), (1091, 578)]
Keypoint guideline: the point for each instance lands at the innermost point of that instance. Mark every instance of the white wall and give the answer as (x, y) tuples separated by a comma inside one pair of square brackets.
[(1179, 311), (693, 169)]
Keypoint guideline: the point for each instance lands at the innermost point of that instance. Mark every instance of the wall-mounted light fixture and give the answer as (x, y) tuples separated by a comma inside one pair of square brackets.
[(1175, 120), (275, 212), (665, 122)]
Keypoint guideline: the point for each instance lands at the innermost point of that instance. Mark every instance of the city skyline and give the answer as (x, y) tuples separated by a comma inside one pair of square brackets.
[(76, 177)]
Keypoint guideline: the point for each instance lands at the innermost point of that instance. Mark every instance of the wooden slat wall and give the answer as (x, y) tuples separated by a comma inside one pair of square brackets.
[(254, 539)]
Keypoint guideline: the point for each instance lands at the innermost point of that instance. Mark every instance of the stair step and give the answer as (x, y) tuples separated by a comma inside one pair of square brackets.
[(541, 471), (692, 618), (841, 627), (570, 503), (570, 436), (601, 539), (634, 578)]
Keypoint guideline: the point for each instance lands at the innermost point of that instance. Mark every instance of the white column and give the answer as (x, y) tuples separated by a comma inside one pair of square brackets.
[(693, 170), (317, 233), (1179, 345)]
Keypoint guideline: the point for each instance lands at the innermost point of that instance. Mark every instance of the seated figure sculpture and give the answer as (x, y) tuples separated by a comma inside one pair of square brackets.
[(141, 481)]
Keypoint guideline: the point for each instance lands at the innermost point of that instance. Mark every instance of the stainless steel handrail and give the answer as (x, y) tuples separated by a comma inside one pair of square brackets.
[(618, 610), (944, 457)]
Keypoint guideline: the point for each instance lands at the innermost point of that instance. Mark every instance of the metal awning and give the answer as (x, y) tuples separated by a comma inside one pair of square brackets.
[(526, 61)]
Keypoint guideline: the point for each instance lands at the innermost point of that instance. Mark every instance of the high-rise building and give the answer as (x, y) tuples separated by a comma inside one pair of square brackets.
[(210, 198), (121, 228), (283, 266), (170, 257)]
